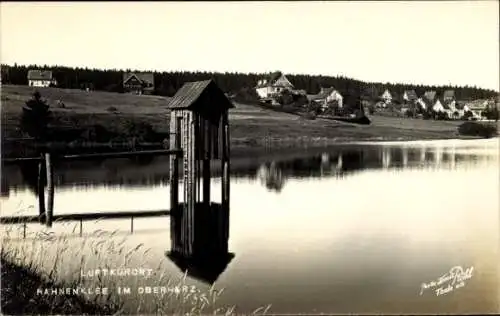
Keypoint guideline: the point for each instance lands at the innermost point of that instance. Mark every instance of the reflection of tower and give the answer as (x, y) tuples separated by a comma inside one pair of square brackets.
[(210, 255), (386, 157)]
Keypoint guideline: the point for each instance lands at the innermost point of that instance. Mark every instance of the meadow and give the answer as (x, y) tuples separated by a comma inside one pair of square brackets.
[(250, 126), (43, 261)]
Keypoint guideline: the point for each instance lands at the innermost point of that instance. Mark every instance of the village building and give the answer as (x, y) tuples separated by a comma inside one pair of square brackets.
[(327, 97), (430, 95), (272, 85), (386, 97), (438, 106), (138, 82), (410, 96), (426, 102), (41, 78), (477, 107), (451, 108), (449, 95), (460, 109)]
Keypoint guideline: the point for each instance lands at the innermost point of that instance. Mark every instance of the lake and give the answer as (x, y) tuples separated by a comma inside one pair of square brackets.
[(347, 229)]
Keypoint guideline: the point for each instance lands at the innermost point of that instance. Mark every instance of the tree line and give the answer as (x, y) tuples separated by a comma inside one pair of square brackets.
[(167, 83)]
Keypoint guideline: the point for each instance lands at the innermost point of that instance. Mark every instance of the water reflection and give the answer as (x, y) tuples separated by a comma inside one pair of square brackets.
[(317, 246), (273, 173), (271, 176), (210, 256)]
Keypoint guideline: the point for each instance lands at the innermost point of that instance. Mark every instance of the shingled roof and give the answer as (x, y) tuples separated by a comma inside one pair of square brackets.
[(430, 95), (145, 77), (411, 94), (198, 94), (449, 94), (271, 79), (39, 75), (323, 94)]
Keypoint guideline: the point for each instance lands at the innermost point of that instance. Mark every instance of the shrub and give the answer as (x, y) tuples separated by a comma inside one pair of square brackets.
[(112, 109), (477, 129), (309, 116), (467, 115), (247, 95)]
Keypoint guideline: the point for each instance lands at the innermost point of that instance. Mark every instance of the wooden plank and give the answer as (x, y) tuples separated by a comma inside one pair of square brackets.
[(84, 216), (50, 189), (125, 154)]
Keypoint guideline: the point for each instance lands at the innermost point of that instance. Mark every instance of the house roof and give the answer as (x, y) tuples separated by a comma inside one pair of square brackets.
[(39, 75), (479, 104), (323, 94), (146, 77), (449, 94), (271, 79), (386, 91), (428, 102), (430, 95), (412, 95), (199, 94)]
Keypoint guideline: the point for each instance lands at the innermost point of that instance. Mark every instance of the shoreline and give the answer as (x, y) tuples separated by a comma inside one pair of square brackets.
[(244, 147)]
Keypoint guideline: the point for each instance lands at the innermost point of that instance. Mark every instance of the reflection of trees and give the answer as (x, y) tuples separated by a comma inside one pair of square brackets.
[(29, 172)]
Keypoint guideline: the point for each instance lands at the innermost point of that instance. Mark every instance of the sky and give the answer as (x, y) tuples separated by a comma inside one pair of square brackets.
[(430, 42)]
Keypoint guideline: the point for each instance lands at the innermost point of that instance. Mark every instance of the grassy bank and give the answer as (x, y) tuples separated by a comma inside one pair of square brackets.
[(46, 260), (250, 126), (19, 295)]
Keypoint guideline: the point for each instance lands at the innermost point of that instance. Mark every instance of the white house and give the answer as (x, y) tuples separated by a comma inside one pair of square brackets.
[(449, 106), (275, 83), (40, 78), (410, 96), (386, 96), (427, 100), (438, 106), (326, 96), (478, 106)]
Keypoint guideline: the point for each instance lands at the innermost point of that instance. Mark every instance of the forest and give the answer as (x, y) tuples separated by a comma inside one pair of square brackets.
[(167, 83)]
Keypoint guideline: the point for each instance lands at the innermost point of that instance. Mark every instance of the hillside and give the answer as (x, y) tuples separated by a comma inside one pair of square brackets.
[(251, 126)]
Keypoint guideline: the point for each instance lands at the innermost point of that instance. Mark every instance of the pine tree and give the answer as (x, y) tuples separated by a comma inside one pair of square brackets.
[(35, 118)]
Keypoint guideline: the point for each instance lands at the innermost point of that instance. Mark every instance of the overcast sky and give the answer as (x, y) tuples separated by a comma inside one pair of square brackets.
[(428, 42)]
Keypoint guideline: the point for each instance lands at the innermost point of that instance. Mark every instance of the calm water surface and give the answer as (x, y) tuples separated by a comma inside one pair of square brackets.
[(352, 229)]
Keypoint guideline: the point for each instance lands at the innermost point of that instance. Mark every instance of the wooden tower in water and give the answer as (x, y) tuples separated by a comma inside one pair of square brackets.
[(199, 126)]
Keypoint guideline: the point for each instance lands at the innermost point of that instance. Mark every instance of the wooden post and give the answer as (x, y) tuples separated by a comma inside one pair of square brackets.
[(131, 224), (206, 163), (50, 189), (175, 140), (42, 175), (206, 182), (225, 162)]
